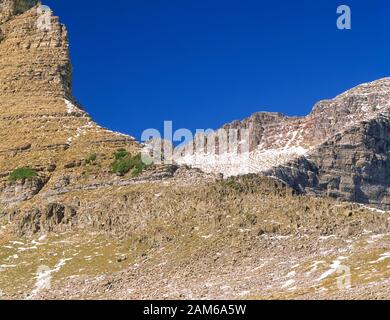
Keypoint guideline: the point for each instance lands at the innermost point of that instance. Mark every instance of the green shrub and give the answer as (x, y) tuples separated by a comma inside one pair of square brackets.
[(120, 154), (22, 173), (91, 158), (127, 163)]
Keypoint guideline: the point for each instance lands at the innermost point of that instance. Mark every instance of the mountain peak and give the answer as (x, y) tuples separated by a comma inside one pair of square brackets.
[(41, 126), (340, 149), (9, 8), (34, 61)]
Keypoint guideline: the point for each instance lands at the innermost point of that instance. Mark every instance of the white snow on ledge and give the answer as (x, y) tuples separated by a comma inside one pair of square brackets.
[(234, 164), (70, 107)]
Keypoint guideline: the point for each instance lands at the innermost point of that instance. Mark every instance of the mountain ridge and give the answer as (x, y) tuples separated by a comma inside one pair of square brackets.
[(172, 231), (62, 135), (277, 141)]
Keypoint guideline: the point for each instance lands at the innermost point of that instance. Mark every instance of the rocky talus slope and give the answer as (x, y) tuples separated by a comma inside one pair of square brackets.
[(175, 231), (241, 238)]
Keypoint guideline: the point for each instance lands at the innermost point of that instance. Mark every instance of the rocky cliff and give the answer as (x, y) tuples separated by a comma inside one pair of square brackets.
[(42, 127), (341, 149), (44, 131), (169, 231)]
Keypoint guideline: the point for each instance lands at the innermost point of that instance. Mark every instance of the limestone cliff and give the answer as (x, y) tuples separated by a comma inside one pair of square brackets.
[(173, 231), (41, 125), (341, 149)]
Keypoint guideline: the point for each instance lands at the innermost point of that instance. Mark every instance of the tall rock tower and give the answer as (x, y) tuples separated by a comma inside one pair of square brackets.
[(41, 125), (34, 61), (9, 8)]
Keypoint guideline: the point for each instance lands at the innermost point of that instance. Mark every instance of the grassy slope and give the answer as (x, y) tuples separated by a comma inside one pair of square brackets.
[(242, 238)]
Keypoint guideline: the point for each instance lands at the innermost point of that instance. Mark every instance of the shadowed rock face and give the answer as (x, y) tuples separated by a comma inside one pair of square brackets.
[(352, 166)]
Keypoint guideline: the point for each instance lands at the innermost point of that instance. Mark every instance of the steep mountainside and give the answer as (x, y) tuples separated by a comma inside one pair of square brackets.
[(74, 223), (242, 238), (41, 125), (340, 149), (44, 130)]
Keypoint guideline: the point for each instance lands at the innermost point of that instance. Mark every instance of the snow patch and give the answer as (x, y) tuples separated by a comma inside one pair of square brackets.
[(383, 257), (234, 164), (333, 268), (288, 283), (70, 107), (5, 266)]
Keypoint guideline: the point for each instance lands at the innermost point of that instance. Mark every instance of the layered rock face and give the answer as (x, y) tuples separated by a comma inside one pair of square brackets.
[(111, 236), (41, 125), (9, 8), (44, 129), (340, 149), (352, 166)]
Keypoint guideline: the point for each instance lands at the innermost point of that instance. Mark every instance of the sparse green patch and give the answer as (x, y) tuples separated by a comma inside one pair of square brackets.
[(120, 154), (91, 158), (125, 163), (70, 254), (22, 174)]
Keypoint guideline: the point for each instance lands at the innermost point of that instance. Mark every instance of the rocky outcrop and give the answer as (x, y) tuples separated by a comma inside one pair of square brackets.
[(352, 166), (26, 189), (42, 127), (34, 62), (41, 124), (340, 149), (9, 8), (51, 217), (132, 209)]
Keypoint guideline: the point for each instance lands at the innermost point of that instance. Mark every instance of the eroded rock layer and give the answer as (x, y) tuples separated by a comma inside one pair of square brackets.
[(340, 149), (41, 125), (174, 231)]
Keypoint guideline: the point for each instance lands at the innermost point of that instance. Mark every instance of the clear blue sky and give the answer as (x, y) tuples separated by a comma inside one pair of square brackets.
[(202, 63)]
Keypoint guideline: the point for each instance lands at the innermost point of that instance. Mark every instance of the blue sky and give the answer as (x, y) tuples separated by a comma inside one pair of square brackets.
[(202, 63)]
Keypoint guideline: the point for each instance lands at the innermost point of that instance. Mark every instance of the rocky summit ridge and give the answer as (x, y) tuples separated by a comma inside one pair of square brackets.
[(71, 208), (340, 149), (44, 131), (41, 124)]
